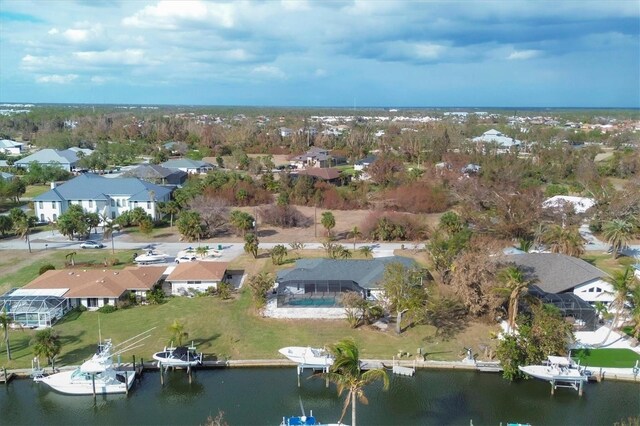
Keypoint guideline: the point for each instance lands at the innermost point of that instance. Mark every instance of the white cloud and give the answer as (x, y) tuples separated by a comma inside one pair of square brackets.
[(523, 54), (53, 31), (269, 71), (97, 79), (57, 79), (168, 14), (429, 50), (320, 72), (76, 35), (112, 57)]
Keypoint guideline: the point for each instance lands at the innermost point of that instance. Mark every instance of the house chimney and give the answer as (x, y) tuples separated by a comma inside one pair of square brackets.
[(53, 185)]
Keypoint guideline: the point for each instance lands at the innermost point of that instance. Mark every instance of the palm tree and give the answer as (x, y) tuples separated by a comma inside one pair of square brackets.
[(171, 208), (251, 244), (347, 375), (108, 229), (23, 228), (355, 233), (278, 253), (71, 257), (564, 240), (177, 332), (328, 221), (202, 251), (366, 251), (635, 312), (622, 283), (617, 232), (47, 343), (5, 322), (514, 286)]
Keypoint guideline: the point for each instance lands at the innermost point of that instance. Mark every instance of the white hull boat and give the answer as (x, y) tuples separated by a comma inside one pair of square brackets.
[(557, 369), (312, 357), (95, 376), (181, 356), (152, 257)]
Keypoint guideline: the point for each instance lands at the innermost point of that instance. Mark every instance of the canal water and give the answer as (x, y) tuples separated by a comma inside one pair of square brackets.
[(261, 396)]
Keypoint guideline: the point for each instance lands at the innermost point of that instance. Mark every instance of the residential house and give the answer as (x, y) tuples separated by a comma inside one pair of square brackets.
[(97, 194), (94, 288), (66, 159), (579, 204), (320, 282), (285, 132), (365, 162), (157, 174), (6, 176), (494, 137), (188, 165), (330, 175), (559, 273), (188, 278), (10, 147), (314, 157)]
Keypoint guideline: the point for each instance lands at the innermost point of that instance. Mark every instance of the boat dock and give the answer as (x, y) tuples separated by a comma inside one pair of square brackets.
[(6, 377)]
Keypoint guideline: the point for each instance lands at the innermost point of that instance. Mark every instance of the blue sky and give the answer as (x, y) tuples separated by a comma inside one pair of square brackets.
[(580, 53)]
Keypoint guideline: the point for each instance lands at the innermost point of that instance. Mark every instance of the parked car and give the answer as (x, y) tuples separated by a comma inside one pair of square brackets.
[(91, 245), (186, 258)]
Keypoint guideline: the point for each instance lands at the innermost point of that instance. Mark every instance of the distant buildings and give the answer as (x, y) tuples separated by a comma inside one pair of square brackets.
[(188, 165), (10, 147), (66, 159), (494, 137)]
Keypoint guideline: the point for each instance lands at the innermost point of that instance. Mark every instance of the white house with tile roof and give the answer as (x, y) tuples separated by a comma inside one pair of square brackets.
[(97, 194)]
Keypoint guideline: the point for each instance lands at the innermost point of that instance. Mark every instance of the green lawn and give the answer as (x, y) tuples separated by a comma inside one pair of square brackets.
[(35, 190), (614, 358), (230, 329)]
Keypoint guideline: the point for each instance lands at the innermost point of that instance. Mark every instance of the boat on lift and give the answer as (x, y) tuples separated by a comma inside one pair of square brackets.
[(181, 356), (307, 356), (557, 369)]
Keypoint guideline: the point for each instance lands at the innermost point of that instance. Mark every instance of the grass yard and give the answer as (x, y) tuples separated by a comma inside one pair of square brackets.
[(230, 329), (605, 261), (35, 190), (614, 358)]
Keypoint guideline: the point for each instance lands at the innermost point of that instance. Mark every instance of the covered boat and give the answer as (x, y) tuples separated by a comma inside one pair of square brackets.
[(181, 356), (307, 356), (558, 369), (95, 376)]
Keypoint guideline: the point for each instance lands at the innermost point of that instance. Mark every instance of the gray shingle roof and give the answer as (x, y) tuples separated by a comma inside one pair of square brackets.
[(46, 156), (185, 163), (94, 187), (366, 273), (152, 171), (556, 273)]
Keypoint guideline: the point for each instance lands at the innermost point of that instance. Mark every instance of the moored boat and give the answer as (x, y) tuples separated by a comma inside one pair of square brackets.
[(307, 356), (95, 376), (181, 356), (151, 256), (558, 369)]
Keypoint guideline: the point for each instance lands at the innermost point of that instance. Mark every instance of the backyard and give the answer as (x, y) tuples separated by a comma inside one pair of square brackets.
[(613, 358)]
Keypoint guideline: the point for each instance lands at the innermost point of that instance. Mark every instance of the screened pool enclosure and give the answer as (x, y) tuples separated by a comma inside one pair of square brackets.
[(30, 309), (314, 293)]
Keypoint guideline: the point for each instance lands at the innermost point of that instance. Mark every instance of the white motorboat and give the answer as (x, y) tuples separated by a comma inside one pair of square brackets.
[(558, 369), (151, 256), (181, 356), (307, 356), (95, 376)]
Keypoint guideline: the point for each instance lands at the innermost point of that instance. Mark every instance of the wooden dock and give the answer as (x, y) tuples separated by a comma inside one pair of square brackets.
[(5, 377)]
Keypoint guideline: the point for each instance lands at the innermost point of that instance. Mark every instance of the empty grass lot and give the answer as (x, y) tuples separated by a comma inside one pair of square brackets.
[(613, 358)]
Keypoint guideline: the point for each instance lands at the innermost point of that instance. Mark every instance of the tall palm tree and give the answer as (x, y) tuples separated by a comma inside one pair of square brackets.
[(108, 229), (5, 322), (171, 208), (564, 240), (617, 232), (23, 228), (355, 233), (635, 312), (328, 221), (514, 285), (346, 373), (623, 284)]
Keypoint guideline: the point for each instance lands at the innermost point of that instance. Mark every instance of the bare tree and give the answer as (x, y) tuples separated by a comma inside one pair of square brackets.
[(213, 211)]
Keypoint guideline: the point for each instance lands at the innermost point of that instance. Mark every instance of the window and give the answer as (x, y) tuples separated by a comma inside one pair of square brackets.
[(41, 204), (90, 203), (135, 203), (53, 204), (105, 301), (113, 215), (119, 203), (113, 202), (41, 217), (148, 205), (194, 282), (591, 290), (92, 302), (55, 217)]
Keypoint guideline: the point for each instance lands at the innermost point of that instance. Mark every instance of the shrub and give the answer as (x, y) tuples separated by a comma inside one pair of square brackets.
[(556, 189), (107, 309), (418, 197), (284, 216), (111, 261), (383, 226), (80, 308), (45, 268), (156, 296)]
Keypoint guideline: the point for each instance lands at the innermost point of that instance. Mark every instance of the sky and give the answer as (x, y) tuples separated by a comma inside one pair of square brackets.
[(345, 53)]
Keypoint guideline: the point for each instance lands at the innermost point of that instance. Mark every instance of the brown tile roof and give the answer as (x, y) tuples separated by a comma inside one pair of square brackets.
[(324, 173), (98, 282), (198, 271)]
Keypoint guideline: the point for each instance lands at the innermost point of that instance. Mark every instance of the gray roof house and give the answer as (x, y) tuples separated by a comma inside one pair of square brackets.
[(559, 273), (66, 159), (158, 174), (97, 194), (7, 146), (319, 282), (188, 165), (6, 176), (314, 157), (493, 136)]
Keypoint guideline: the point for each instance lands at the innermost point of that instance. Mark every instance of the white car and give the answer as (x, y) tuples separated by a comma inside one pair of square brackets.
[(186, 258), (89, 244)]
